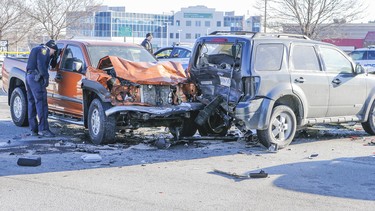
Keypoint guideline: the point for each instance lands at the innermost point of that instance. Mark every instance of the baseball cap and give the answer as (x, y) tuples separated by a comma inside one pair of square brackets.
[(52, 44)]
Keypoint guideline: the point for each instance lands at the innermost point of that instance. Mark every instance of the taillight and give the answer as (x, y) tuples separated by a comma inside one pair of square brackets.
[(250, 86)]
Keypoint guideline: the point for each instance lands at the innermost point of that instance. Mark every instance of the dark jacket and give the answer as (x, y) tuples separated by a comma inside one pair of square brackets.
[(39, 60), (147, 44)]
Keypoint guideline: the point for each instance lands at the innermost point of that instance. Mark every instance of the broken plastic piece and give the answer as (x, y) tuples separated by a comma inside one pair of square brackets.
[(30, 161), (91, 158), (273, 148), (313, 156), (261, 174)]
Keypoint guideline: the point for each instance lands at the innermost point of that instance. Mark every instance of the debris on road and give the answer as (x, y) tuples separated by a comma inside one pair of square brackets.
[(261, 174), (29, 161), (273, 148), (91, 158), (313, 156)]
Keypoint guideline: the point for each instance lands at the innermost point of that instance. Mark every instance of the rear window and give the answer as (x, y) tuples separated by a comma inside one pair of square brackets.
[(221, 55), (268, 57)]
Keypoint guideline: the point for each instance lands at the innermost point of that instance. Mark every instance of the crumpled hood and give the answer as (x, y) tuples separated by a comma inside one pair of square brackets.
[(161, 73)]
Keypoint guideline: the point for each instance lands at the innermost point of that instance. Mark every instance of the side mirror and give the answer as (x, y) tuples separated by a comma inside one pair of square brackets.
[(77, 65), (359, 69)]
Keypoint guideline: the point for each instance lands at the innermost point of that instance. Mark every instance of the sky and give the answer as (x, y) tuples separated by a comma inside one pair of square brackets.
[(240, 8)]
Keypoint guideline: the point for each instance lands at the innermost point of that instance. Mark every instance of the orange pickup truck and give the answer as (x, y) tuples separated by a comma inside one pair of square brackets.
[(108, 87)]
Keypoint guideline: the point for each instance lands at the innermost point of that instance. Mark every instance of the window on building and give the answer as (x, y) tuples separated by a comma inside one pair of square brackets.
[(197, 35), (188, 23), (178, 23), (207, 23), (218, 23), (198, 23), (171, 35), (188, 36), (177, 35)]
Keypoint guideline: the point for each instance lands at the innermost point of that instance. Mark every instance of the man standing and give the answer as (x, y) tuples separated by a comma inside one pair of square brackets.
[(147, 43), (37, 80)]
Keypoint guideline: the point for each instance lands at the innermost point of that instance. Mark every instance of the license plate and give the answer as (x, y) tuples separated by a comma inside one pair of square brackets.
[(224, 81)]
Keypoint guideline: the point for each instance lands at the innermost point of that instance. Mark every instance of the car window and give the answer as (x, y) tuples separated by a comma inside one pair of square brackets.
[(371, 55), (164, 54), (268, 57), (335, 61), (72, 54), (305, 58), (358, 55), (180, 53)]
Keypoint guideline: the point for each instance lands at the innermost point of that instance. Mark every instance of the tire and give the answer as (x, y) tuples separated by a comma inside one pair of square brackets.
[(369, 125), (282, 128), (102, 129), (188, 127), (210, 127), (18, 107)]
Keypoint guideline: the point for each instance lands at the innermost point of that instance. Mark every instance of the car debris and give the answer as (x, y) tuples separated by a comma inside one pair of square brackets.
[(91, 158), (261, 174), (29, 161), (313, 156)]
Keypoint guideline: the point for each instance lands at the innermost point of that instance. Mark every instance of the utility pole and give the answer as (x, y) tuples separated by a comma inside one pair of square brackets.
[(265, 16)]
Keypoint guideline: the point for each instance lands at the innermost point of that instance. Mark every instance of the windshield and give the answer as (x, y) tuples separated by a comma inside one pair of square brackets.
[(132, 53)]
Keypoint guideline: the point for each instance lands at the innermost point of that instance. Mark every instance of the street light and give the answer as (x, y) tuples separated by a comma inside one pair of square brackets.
[(207, 31), (179, 36), (167, 31)]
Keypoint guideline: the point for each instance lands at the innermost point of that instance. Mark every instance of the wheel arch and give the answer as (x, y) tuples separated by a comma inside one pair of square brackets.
[(92, 90), (294, 103)]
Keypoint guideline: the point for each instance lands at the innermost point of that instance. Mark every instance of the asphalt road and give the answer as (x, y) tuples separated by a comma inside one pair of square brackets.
[(134, 175)]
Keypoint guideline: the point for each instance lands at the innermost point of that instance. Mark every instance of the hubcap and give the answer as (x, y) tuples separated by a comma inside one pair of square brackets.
[(17, 107), (281, 127), (95, 122)]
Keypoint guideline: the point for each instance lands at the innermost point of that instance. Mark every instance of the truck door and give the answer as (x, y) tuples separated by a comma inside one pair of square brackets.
[(309, 80), (68, 91), (347, 90)]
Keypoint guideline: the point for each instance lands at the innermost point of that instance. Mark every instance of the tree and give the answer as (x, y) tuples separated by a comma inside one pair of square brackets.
[(12, 20), (311, 17), (51, 15)]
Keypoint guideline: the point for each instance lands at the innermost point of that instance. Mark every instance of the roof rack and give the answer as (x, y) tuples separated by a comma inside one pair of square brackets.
[(280, 35), (233, 33), (259, 34)]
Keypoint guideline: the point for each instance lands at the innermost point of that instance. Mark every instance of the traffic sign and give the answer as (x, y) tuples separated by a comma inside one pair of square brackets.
[(3, 45)]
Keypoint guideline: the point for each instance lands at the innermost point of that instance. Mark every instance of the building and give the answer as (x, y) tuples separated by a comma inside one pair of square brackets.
[(183, 26)]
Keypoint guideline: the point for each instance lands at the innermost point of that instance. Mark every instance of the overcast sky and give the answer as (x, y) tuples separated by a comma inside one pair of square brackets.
[(166, 6)]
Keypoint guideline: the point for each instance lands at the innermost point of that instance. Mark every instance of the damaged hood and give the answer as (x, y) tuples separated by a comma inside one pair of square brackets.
[(161, 73)]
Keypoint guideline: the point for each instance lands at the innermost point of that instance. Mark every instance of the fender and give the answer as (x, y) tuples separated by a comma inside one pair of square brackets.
[(367, 106), (17, 77), (97, 88)]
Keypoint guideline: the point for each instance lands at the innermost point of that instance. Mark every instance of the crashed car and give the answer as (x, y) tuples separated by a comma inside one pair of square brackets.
[(109, 87)]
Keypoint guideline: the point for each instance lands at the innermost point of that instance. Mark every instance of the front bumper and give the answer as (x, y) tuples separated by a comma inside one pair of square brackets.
[(156, 112)]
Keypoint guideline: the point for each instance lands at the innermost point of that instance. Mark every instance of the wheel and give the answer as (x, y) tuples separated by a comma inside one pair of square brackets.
[(282, 128), (188, 127), (102, 129), (211, 127), (18, 107), (369, 125)]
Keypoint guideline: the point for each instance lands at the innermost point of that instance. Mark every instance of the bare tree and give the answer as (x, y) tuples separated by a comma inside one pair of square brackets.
[(52, 15), (310, 17), (13, 22)]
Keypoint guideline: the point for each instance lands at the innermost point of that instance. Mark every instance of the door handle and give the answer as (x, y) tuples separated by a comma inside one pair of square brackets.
[(58, 77), (299, 80), (336, 81)]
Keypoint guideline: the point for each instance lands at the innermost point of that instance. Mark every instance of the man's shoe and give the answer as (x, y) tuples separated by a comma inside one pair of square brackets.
[(46, 133), (34, 133)]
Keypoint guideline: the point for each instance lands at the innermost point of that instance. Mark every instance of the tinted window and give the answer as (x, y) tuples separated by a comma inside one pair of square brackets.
[(304, 58), (335, 61), (268, 57)]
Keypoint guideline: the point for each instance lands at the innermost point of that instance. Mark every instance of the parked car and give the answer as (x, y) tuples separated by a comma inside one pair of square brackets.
[(175, 53), (108, 87), (365, 57), (276, 84)]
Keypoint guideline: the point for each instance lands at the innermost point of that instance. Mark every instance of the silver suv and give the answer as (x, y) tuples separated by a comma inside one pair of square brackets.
[(276, 84)]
